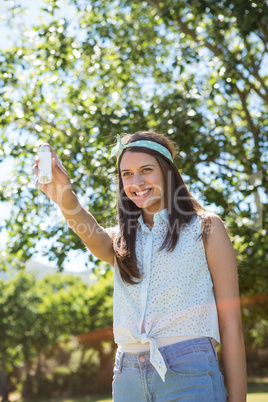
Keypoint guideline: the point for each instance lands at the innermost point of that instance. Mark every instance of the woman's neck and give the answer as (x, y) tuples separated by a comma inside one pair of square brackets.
[(148, 217)]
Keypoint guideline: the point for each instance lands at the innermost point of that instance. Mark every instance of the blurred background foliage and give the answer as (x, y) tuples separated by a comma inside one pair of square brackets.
[(86, 70), (41, 350)]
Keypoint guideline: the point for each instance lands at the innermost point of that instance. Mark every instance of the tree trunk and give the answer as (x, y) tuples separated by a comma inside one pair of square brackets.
[(26, 384), (38, 371), (4, 391)]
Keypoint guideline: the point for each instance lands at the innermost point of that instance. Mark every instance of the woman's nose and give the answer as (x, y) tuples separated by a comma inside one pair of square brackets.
[(137, 180)]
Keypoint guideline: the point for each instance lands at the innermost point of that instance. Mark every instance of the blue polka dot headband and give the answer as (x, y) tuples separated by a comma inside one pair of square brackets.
[(119, 148)]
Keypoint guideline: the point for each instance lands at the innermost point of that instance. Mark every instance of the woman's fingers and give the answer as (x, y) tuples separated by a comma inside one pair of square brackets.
[(57, 165), (52, 152), (53, 157), (59, 174), (40, 185)]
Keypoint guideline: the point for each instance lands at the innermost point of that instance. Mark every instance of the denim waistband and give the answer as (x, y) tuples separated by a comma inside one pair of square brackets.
[(175, 349)]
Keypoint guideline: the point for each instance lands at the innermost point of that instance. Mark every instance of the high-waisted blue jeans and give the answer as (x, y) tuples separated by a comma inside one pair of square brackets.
[(193, 374)]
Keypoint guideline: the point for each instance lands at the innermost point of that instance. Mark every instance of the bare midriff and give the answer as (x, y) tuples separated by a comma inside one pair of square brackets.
[(164, 341)]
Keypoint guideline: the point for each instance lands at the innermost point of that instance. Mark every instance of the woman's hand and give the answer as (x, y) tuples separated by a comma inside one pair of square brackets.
[(60, 189)]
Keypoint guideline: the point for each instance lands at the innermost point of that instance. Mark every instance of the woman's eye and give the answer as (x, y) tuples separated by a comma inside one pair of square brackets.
[(124, 174)]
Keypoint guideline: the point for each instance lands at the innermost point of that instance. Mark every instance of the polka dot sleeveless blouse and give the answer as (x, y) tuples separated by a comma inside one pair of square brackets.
[(175, 296)]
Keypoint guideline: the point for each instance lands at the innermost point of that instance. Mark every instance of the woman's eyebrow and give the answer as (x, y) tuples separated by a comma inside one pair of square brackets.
[(150, 164)]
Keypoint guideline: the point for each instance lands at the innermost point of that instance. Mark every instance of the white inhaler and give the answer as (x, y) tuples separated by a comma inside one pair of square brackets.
[(45, 165)]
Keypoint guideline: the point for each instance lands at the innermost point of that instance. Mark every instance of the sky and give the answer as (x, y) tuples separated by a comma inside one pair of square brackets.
[(32, 14)]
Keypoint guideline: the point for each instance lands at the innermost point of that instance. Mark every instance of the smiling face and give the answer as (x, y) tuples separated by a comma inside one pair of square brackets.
[(143, 181)]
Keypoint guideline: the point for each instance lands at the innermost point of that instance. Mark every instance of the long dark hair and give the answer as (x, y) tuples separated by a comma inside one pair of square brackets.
[(177, 195)]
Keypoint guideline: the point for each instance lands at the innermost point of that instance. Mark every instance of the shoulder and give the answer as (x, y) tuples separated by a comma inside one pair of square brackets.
[(218, 226), (215, 234), (212, 223), (207, 215), (219, 244)]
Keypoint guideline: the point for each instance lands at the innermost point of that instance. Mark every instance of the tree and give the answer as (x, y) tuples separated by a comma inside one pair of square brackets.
[(37, 315), (196, 70), (18, 312)]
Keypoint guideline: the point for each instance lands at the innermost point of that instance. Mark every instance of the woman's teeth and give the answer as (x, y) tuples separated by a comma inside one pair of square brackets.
[(143, 193)]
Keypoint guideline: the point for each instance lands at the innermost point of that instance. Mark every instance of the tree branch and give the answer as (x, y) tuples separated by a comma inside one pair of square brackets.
[(242, 95), (263, 41), (218, 52), (254, 129), (252, 86), (188, 31), (264, 30), (228, 167), (255, 68)]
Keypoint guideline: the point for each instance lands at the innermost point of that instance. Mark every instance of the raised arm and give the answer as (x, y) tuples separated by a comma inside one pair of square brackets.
[(223, 267), (95, 237)]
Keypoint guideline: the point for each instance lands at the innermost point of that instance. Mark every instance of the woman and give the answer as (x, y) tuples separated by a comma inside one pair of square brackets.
[(176, 291)]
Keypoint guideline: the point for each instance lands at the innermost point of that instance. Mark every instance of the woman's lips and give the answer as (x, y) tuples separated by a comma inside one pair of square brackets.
[(142, 195)]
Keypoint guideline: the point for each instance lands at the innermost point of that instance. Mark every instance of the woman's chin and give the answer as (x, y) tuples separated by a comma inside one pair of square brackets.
[(143, 202), (148, 204)]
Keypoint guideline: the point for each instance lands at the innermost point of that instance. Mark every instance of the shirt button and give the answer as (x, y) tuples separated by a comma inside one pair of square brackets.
[(142, 359)]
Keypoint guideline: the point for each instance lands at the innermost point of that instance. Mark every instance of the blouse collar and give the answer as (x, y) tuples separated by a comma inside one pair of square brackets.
[(160, 216)]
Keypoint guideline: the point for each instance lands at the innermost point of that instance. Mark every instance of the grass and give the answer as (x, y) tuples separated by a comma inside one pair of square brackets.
[(257, 390)]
